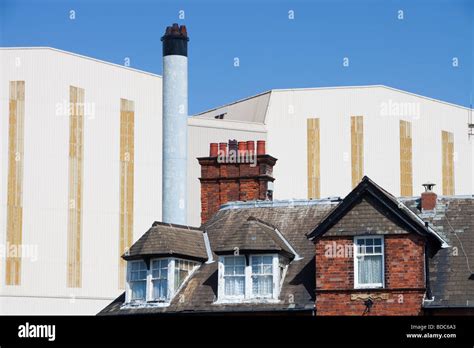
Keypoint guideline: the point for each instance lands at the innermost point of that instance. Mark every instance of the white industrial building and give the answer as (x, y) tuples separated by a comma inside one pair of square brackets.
[(81, 163)]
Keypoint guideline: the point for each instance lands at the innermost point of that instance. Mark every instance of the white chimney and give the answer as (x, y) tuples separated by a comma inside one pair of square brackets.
[(175, 114)]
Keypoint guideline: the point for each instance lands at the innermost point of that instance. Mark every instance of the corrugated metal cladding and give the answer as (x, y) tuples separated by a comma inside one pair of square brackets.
[(76, 160), (371, 145), (127, 155), (15, 180), (88, 135)]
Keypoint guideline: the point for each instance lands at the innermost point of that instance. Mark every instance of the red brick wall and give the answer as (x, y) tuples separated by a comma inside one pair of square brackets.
[(404, 278)]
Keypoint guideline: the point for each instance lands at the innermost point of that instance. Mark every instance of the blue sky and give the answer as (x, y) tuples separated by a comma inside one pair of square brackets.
[(414, 54)]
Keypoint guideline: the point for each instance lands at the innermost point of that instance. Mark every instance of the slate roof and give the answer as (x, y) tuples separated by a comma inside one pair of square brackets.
[(164, 239), (369, 190), (253, 235), (451, 269), (297, 292)]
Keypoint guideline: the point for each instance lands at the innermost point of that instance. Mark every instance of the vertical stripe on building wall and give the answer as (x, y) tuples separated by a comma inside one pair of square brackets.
[(76, 150), (313, 143), (15, 180), (357, 149), (127, 125), (448, 162), (406, 166)]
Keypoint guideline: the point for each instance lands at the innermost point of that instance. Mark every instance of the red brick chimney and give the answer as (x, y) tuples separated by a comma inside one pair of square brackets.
[(235, 173), (428, 198)]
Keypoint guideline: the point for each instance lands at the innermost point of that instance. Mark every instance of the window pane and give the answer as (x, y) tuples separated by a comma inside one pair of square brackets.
[(138, 290), (179, 275), (234, 286), (234, 276), (267, 260), (267, 269), (160, 289), (262, 286), (370, 270), (240, 260)]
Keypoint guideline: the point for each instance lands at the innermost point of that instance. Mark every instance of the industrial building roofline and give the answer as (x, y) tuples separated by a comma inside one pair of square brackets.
[(80, 56), (326, 88)]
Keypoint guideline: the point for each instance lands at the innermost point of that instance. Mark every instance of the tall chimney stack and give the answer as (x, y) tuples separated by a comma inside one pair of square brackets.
[(175, 114), (235, 173)]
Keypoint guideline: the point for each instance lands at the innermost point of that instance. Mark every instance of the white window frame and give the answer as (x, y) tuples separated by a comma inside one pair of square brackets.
[(248, 293), (275, 273), (356, 265), (150, 293), (149, 282), (221, 279), (128, 285)]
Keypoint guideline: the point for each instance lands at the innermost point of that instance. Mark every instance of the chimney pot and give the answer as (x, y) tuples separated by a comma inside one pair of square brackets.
[(251, 147), (223, 148), (261, 147), (242, 147), (213, 149)]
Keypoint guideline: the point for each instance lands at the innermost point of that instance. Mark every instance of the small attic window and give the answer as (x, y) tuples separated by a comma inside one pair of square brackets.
[(220, 116), (250, 278), (160, 283)]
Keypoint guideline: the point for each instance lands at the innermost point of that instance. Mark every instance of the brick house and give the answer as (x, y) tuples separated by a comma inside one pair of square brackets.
[(372, 249), (367, 254)]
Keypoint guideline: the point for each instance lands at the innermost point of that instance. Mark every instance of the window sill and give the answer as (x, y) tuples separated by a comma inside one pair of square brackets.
[(244, 300), (144, 304), (369, 287)]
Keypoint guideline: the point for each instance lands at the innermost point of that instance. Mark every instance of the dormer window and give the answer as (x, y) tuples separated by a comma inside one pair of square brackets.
[(160, 283), (250, 277)]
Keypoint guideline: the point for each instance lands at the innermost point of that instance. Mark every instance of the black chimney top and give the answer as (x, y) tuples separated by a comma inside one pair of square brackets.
[(175, 40)]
